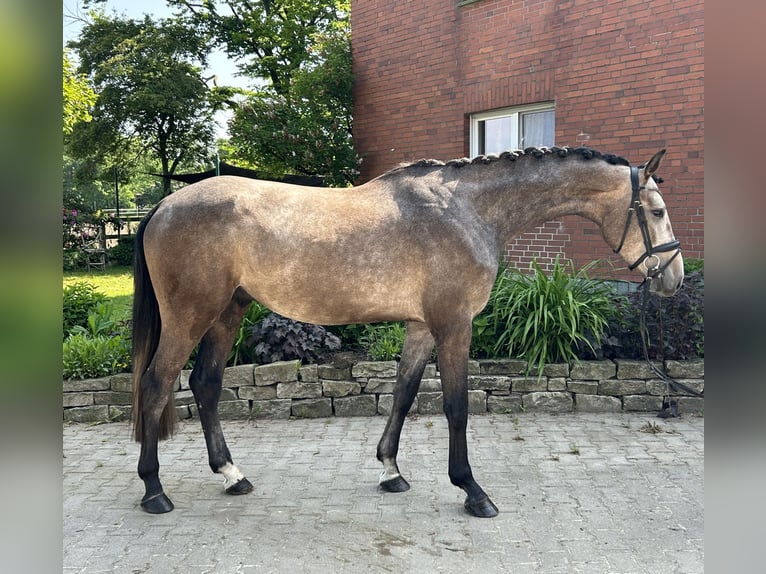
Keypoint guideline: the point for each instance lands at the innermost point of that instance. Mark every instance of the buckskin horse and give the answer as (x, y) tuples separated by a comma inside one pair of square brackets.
[(420, 244)]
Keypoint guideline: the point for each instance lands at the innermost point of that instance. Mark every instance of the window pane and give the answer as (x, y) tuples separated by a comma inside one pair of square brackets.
[(497, 135), (538, 129)]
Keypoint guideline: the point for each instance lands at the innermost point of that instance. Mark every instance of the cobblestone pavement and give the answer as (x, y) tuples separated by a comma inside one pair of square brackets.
[(577, 493)]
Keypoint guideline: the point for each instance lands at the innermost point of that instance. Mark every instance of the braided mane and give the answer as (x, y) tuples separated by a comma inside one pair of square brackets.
[(513, 155)]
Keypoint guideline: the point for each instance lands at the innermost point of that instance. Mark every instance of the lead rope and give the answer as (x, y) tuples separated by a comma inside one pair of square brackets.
[(669, 406)]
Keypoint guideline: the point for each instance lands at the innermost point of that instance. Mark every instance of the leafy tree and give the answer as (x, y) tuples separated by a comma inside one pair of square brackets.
[(79, 97), (151, 96), (308, 129), (299, 118)]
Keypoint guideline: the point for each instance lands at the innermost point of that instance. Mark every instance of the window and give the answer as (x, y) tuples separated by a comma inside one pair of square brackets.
[(512, 128)]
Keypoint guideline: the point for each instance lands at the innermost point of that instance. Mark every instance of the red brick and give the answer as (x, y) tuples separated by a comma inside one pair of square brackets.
[(628, 72)]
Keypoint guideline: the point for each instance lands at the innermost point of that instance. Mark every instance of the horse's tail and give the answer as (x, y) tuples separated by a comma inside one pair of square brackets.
[(146, 336)]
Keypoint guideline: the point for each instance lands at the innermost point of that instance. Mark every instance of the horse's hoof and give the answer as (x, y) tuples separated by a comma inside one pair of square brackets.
[(396, 484), (482, 508), (157, 504), (243, 486)]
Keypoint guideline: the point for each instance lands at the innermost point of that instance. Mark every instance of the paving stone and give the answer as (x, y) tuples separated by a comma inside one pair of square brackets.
[(618, 506)]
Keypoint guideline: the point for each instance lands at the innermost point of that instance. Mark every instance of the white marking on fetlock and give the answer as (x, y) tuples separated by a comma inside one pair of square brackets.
[(231, 475)]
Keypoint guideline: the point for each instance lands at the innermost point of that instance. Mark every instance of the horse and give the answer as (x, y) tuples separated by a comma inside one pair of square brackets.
[(421, 244)]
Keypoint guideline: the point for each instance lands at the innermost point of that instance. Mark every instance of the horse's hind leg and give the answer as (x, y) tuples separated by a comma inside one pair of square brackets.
[(418, 345), (205, 382), (157, 385)]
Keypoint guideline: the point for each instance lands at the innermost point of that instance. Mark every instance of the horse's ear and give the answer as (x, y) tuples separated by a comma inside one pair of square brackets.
[(653, 164)]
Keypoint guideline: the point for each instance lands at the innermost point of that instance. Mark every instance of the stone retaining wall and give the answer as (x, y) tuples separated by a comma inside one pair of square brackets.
[(287, 389)]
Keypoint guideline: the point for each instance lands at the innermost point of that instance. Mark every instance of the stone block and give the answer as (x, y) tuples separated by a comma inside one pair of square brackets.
[(312, 408), (527, 384), (496, 384), (257, 393), (642, 403), (556, 370), (91, 414), (279, 372), (477, 402), (617, 387), (228, 395), (584, 387), (368, 369), (298, 390), (120, 413), (633, 370), (333, 373), (358, 406), (386, 402), (430, 371), (660, 387), (112, 398), (557, 384), (272, 409), (238, 376), (184, 412), (431, 385), (377, 386), (234, 410), (504, 404), (183, 380), (691, 405), (547, 401), (502, 366), (184, 398), (340, 388), (77, 399), (430, 403), (474, 368), (598, 404), (593, 370), (82, 385), (686, 369), (121, 382), (309, 374)]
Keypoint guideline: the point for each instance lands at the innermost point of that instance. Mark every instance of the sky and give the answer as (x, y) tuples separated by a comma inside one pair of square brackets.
[(218, 64)]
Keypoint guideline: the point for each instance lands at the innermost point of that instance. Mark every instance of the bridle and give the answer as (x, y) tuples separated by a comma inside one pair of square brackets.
[(669, 407), (637, 207)]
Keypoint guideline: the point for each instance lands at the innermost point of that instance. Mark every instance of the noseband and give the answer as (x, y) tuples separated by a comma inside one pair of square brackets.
[(650, 250)]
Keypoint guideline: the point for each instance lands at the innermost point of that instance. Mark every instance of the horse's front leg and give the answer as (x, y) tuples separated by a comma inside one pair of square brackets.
[(205, 382), (453, 346), (417, 348)]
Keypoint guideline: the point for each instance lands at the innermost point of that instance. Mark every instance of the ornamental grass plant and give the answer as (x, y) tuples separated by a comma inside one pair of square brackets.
[(545, 317)]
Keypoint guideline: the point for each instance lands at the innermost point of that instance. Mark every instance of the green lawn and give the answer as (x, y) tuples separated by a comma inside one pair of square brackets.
[(115, 282)]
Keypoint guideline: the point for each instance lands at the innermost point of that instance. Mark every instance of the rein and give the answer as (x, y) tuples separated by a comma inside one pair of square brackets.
[(669, 407)]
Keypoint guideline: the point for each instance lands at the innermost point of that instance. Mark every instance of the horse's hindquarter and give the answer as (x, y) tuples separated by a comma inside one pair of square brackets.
[(328, 256)]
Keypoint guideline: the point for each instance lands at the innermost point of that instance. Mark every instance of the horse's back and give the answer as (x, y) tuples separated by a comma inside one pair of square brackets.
[(320, 255)]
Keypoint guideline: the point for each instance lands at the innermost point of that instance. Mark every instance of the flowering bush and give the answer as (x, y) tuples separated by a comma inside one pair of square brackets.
[(80, 227)]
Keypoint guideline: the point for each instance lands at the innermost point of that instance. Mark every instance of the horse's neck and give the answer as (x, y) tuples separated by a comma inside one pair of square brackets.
[(517, 198)]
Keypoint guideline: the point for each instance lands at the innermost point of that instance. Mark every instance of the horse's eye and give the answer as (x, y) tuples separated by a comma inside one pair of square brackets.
[(658, 212)]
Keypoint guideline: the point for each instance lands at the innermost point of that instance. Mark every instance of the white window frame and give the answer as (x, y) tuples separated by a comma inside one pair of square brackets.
[(514, 113)]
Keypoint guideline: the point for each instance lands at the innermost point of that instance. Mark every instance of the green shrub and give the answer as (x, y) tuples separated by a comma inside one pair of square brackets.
[(80, 299), (99, 348), (546, 318), (278, 338), (383, 341), (86, 356), (675, 325), (122, 253)]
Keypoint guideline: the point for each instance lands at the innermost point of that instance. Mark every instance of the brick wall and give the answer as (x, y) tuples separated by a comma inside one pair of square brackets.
[(626, 77)]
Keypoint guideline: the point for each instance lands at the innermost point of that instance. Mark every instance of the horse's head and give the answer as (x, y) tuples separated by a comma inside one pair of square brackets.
[(647, 242)]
